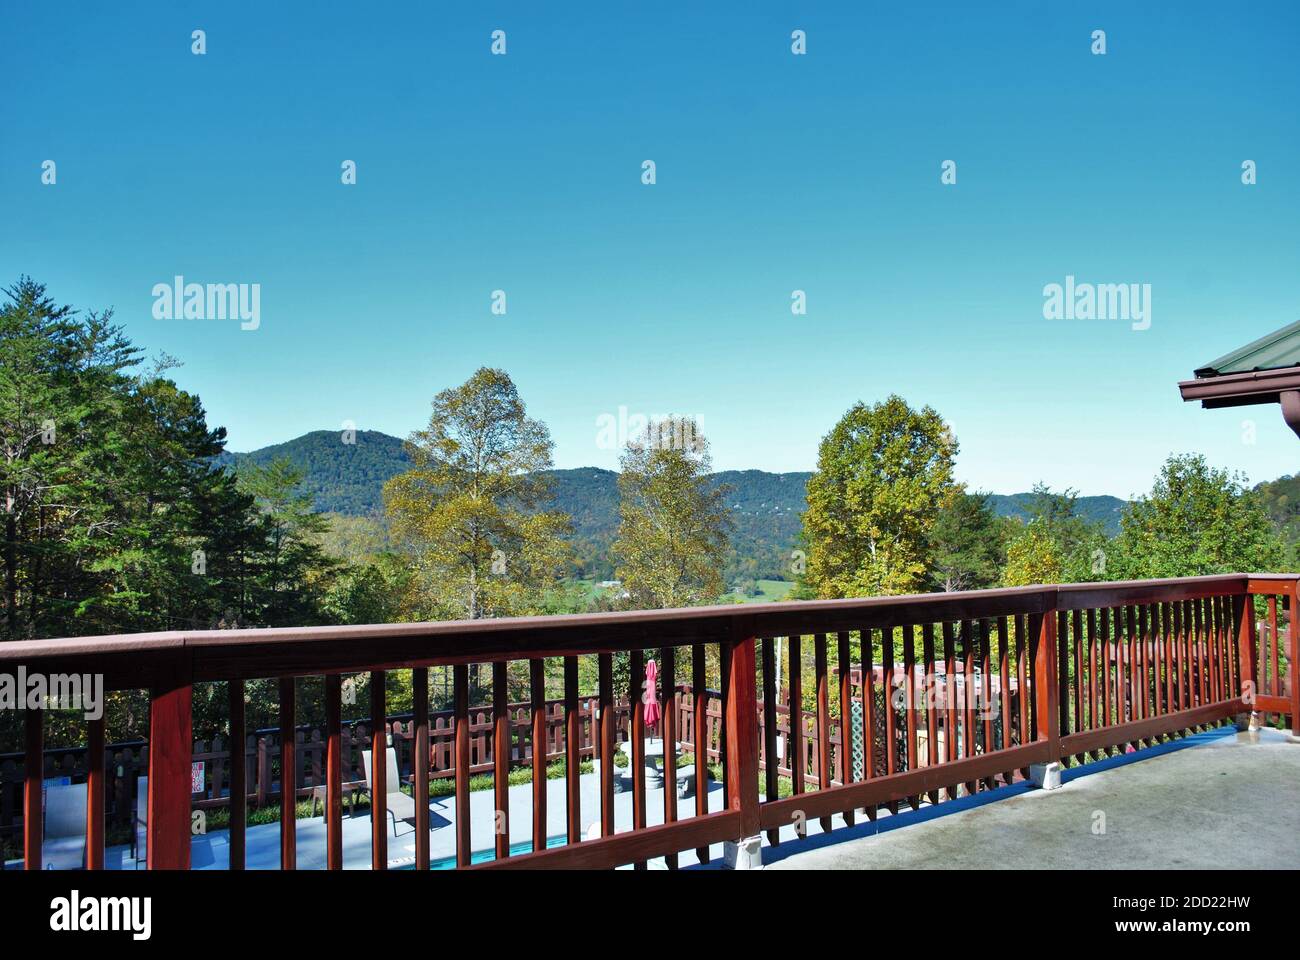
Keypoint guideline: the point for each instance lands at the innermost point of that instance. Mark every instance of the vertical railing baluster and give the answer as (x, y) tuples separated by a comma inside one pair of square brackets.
[(379, 785), (699, 717), (1078, 686), (1173, 630), (909, 703), (636, 687), (288, 778), (537, 706), (797, 760), (572, 752), (891, 720), (844, 665), (420, 763), (930, 696), (986, 693), (951, 742), (334, 771), (1023, 680), (668, 675), (33, 784), (868, 711), (501, 759), (238, 774), (823, 720), (1097, 695), (968, 644), (95, 794), (1158, 630), (605, 680), (771, 771), (1275, 680), (460, 715)]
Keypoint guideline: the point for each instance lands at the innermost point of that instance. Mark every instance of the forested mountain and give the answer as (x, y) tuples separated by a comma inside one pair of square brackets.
[(1105, 510), (347, 478)]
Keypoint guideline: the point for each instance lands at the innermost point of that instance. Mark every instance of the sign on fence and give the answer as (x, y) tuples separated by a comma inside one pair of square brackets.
[(196, 776)]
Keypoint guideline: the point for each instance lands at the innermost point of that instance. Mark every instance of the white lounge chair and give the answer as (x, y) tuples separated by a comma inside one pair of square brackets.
[(65, 826), (400, 806)]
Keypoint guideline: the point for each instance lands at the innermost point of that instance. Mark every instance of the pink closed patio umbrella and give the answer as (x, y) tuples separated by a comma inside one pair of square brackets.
[(648, 698)]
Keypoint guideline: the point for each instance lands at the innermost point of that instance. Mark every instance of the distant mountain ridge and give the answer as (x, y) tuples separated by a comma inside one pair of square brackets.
[(348, 478)]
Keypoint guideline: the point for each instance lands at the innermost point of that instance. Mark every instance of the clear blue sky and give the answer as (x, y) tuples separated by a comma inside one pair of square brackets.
[(775, 172)]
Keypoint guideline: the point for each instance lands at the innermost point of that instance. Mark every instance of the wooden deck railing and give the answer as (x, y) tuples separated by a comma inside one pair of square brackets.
[(970, 690)]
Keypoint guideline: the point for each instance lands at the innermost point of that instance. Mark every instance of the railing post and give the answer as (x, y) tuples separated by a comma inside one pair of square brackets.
[(1244, 611), (170, 747), (1047, 692), (742, 746)]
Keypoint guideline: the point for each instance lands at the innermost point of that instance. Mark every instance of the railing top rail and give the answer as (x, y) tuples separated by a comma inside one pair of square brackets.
[(284, 651)]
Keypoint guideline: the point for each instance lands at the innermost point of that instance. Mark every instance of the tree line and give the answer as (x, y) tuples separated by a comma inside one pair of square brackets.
[(118, 517)]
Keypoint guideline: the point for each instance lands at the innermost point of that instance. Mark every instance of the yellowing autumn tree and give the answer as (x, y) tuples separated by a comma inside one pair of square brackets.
[(469, 512), (673, 523), (883, 475)]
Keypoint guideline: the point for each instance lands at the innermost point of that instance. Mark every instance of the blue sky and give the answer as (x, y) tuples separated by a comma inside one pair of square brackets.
[(775, 172)]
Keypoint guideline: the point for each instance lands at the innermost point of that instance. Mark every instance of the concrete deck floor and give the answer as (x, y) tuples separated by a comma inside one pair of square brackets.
[(1213, 801)]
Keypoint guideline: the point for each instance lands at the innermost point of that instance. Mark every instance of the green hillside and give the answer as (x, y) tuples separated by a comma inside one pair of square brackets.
[(348, 479)]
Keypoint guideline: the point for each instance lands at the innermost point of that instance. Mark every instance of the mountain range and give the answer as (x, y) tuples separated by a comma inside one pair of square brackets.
[(348, 478)]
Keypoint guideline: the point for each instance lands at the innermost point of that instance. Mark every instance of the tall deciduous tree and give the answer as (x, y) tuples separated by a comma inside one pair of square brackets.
[(1196, 520), (469, 511), (884, 473), (673, 524)]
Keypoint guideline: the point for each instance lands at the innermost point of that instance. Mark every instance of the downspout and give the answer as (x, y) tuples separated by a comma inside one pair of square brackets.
[(1290, 401)]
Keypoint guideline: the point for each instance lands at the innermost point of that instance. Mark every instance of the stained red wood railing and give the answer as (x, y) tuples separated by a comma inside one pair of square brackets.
[(974, 688)]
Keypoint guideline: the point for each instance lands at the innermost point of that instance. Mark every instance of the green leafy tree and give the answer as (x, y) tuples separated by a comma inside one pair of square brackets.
[(884, 475), (291, 568), (968, 544), (1196, 520), (1057, 544), (673, 523), (470, 510)]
